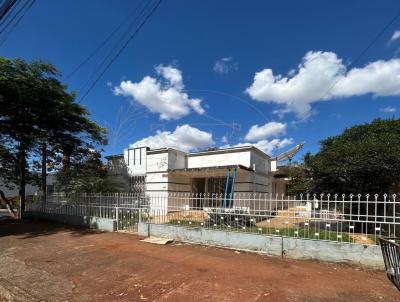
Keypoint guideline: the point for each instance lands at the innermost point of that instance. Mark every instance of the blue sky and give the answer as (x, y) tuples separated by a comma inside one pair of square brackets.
[(188, 78)]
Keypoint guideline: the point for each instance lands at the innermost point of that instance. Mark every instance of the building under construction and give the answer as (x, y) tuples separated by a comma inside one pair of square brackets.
[(215, 171)]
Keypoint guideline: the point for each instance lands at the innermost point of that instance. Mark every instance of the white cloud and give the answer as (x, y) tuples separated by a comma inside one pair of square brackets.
[(187, 138), (183, 138), (395, 36), (388, 109), (165, 96), (225, 65), (322, 76), (267, 146), (268, 130), (258, 136)]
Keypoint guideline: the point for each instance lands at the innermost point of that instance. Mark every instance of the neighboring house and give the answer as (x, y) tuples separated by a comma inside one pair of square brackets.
[(207, 173), (29, 188), (12, 190)]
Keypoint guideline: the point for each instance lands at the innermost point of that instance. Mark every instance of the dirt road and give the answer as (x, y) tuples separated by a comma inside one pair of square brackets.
[(40, 261)]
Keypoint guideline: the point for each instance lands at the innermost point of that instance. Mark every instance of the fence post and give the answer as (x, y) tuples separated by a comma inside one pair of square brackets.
[(117, 216)]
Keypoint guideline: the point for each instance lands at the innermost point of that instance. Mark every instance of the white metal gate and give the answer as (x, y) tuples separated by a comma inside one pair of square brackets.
[(127, 219)]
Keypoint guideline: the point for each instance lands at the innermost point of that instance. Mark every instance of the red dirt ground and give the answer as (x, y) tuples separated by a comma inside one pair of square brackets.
[(118, 267)]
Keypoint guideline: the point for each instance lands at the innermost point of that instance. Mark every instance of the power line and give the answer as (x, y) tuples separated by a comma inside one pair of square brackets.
[(373, 41), (147, 17), (18, 16), (6, 7), (117, 45), (102, 44), (5, 22)]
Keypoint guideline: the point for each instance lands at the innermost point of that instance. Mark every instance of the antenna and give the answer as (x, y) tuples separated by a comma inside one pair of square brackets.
[(288, 155)]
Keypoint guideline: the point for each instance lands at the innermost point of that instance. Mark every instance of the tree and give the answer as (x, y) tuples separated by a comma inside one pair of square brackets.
[(39, 117), (363, 159), (86, 174), (301, 181)]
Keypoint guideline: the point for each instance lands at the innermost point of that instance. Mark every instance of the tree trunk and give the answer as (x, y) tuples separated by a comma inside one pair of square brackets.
[(44, 172), (22, 174), (8, 204), (66, 161)]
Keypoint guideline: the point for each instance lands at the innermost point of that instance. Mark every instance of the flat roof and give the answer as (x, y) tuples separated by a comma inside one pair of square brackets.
[(228, 150), (211, 168), (206, 152), (160, 150)]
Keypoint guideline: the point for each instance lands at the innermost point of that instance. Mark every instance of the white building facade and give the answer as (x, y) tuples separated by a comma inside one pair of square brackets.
[(215, 172)]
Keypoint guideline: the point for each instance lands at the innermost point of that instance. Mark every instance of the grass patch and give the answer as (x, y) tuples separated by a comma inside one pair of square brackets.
[(306, 233)]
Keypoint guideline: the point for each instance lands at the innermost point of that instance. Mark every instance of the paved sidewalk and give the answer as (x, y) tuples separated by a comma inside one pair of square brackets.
[(46, 262)]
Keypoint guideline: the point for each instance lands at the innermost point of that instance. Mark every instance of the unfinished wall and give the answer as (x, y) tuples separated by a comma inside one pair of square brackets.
[(260, 162), (179, 183), (279, 187), (176, 159)]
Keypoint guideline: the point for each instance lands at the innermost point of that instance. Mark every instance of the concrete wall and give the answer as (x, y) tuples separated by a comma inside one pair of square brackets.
[(176, 159), (363, 255), (262, 183), (179, 183), (157, 161), (98, 223), (279, 186), (260, 162), (136, 160), (202, 160), (157, 175)]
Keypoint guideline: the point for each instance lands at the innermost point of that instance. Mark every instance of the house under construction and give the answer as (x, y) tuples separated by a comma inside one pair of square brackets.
[(222, 172)]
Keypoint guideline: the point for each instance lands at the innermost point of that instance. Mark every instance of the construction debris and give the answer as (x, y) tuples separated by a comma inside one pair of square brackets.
[(157, 240)]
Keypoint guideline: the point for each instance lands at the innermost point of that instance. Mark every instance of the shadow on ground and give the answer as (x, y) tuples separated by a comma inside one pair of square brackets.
[(34, 228)]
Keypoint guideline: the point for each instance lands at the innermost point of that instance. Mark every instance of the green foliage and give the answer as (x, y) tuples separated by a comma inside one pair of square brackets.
[(37, 109), (363, 159), (86, 175), (301, 181)]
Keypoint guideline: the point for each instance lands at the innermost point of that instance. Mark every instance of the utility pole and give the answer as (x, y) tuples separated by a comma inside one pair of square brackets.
[(44, 172)]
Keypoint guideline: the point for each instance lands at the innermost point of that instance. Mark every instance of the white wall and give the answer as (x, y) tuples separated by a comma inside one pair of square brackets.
[(273, 166), (219, 159), (157, 175), (157, 162), (136, 160)]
